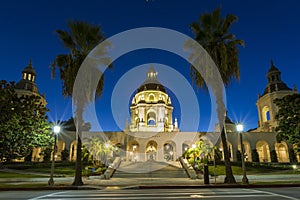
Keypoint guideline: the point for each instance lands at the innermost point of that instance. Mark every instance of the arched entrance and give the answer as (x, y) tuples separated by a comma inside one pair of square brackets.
[(247, 149), (151, 150), (169, 151), (133, 151), (282, 152), (73, 150), (229, 146), (263, 151)]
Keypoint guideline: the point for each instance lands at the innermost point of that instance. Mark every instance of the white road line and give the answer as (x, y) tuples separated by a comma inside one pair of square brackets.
[(279, 195), (48, 195)]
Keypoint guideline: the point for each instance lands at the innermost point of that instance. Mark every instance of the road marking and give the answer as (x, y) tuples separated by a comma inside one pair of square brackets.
[(48, 195), (279, 195)]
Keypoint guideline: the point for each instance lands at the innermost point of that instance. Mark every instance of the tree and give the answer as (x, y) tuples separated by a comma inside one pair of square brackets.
[(212, 32), (288, 117), (99, 151), (200, 154), (80, 39), (23, 123)]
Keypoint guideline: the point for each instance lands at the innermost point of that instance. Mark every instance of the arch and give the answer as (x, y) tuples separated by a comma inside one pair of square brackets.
[(229, 146), (282, 152), (151, 97), (169, 151), (263, 151), (151, 118), (247, 149), (73, 150), (60, 145), (151, 150), (185, 146), (133, 150), (36, 154), (266, 114)]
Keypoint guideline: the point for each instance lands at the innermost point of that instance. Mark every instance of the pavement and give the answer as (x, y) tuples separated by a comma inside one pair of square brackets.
[(124, 183), (95, 182)]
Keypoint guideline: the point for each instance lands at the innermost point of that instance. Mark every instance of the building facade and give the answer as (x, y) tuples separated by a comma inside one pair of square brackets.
[(153, 133)]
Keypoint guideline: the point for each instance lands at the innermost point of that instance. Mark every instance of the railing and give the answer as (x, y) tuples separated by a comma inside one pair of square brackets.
[(191, 173)]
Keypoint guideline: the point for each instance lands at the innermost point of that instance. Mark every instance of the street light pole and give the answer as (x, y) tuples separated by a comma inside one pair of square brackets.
[(56, 130), (240, 128)]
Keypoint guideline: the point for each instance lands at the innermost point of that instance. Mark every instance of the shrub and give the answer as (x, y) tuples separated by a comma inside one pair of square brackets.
[(65, 155)]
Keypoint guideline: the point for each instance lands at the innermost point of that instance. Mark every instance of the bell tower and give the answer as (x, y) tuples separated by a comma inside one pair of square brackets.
[(267, 110)]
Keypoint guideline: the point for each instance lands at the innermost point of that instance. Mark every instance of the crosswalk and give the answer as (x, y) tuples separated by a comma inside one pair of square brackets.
[(148, 194)]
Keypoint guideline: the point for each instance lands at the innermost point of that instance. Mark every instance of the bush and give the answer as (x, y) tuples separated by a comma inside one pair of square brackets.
[(46, 153), (65, 155), (28, 157)]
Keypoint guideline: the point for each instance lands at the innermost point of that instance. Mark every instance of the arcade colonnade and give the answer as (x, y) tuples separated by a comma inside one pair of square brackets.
[(169, 146)]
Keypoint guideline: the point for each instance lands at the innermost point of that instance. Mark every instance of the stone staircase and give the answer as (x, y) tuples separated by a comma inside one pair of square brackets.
[(150, 169)]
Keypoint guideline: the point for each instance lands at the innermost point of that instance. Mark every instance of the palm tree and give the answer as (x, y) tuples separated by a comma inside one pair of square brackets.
[(213, 34), (80, 39)]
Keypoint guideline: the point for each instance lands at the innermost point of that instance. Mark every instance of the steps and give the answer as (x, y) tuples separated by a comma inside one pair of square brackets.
[(150, 169)]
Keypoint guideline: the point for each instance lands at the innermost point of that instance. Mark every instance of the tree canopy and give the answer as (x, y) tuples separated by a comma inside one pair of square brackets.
[(288, 117), (23, 123)]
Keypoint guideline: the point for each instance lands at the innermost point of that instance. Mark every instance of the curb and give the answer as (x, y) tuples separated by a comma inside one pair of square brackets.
[(88, 187)]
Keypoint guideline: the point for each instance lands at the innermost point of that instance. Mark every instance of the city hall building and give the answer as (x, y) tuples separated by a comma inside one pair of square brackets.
[(153, 133)]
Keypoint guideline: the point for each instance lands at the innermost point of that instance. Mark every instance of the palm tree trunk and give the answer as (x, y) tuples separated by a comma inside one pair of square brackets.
[(78, 164), (229, 178)]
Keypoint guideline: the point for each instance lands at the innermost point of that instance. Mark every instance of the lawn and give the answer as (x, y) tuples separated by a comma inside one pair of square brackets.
[(18, 175), (58, 171), (220, 170)]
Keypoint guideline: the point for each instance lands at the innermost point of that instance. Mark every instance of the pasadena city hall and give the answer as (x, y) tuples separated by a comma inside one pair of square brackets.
[(153, 133)]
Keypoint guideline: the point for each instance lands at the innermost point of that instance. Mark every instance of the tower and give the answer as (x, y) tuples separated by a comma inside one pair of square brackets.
[(151, 108), (27, 85), (267, 110)]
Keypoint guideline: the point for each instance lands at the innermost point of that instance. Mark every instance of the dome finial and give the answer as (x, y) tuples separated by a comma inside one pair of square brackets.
[(272, 63)]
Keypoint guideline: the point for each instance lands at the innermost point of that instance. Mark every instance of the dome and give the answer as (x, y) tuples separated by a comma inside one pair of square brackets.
[(29, 69), (274, 81), (151, 82)]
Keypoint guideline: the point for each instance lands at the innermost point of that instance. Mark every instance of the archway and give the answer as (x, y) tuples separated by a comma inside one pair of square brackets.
[(266, 114), (282, 152), (229, 146), (169, 151), (133, 150), (73, 150), (151, 118), (247, 149), (151, 150), (60, 145), (263, 151)]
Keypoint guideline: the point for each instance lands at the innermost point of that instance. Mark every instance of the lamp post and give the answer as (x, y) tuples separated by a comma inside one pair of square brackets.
[(240, 128), (56, 130)]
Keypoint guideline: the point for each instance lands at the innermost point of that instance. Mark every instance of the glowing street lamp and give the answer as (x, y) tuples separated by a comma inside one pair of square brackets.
[(240, 128), (56, 130)]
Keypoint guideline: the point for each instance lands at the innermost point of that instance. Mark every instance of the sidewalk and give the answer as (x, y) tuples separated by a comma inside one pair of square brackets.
[(96, 182)]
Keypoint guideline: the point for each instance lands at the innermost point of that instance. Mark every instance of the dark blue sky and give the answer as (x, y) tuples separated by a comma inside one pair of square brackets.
[(270, 29)]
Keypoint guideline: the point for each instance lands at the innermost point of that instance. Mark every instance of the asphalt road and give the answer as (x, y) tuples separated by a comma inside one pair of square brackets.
[(148, 194)]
